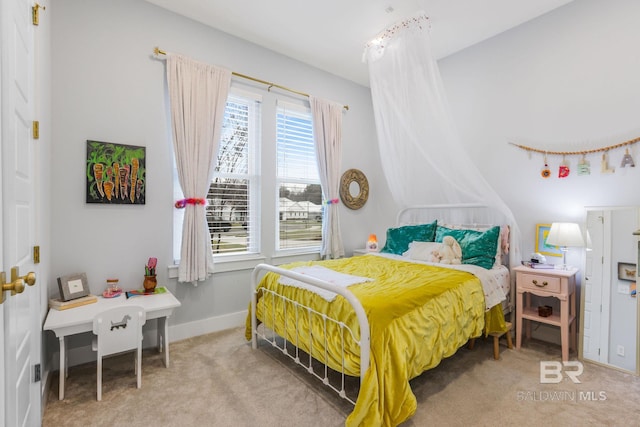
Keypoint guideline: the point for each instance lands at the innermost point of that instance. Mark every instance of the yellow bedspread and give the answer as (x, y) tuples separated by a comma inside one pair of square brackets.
[(418, 315)]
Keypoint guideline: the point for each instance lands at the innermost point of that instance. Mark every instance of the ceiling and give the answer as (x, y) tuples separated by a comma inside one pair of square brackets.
[(331, 34)]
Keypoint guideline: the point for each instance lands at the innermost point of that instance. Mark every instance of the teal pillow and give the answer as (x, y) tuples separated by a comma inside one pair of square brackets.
[(478, 247), (398, 239)]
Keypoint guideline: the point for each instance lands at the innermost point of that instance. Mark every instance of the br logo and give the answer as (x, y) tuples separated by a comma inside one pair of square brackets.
[(552, 372)]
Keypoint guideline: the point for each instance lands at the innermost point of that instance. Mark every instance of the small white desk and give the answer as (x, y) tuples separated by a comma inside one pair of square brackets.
[(80, 319)]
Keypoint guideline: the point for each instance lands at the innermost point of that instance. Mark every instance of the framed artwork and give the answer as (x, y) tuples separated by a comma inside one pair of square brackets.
[(73, 286), (115, 173), (542, 232), (626, 271)]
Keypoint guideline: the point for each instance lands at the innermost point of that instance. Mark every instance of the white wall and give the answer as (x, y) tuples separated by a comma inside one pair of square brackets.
[(623, 310), (567, 80), (108, 87)]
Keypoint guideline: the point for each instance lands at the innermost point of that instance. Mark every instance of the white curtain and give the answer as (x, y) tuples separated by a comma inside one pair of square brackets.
[(197, 94), (327, 131), (424, 160)]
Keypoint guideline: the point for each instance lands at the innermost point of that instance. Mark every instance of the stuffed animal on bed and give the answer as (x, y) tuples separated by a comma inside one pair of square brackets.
[(449, 251)]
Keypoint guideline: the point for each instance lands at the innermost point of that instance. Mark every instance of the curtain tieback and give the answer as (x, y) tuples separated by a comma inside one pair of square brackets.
[(332, 202), (181, 204)]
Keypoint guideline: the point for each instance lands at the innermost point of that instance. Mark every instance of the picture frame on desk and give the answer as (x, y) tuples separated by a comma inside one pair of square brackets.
[(73, 286)]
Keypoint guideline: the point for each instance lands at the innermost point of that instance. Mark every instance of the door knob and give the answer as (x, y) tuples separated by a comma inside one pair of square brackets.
[(29, 278), (16, 285)]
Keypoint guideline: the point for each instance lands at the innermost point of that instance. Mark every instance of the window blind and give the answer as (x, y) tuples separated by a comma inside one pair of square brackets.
[(299, 190)]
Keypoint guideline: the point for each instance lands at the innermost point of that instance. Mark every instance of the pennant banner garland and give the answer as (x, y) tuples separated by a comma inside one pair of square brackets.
[(583, 167)]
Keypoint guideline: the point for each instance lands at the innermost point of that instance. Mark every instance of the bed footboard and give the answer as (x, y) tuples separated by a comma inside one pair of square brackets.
[(363, 323)]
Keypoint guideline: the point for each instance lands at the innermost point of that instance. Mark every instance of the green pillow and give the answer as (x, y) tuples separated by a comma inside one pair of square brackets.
[(478, 247), (398, 239)]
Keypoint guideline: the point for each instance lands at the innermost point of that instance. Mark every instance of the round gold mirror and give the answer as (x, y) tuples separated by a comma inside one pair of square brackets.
[(354, 189)]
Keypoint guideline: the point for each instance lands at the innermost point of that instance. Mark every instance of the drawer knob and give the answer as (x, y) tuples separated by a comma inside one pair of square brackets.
[(545, 283)]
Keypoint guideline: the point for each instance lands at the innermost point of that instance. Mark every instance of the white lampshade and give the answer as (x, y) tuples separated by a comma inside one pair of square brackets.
[(565, 234)]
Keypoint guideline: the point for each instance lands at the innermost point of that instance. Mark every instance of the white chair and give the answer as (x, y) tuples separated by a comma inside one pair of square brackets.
[(119, 330)]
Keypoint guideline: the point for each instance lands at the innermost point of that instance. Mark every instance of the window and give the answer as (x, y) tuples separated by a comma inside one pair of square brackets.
[(298, 183), (265, 173), (232, 198)]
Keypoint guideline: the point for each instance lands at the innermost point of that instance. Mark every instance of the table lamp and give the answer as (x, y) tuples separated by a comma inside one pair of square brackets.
[(565, 234), (372, 243)]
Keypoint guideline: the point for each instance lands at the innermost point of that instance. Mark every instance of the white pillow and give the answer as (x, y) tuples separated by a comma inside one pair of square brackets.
[(421, 251)]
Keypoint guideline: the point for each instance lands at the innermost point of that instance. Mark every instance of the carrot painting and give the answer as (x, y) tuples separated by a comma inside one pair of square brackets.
[(115, 173)]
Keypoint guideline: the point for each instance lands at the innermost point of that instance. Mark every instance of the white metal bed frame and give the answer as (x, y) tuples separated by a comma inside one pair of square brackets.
[(363, 322)]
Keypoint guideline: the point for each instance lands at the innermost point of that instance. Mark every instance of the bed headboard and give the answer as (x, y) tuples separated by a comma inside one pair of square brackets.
[(472, 214)]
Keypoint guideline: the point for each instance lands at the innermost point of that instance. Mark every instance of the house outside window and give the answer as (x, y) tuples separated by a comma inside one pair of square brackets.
[(244, 181), (299, 221)]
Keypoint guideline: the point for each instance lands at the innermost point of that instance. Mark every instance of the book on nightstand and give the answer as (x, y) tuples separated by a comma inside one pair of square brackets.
[(58, 304), (543, 266), (538, 265)]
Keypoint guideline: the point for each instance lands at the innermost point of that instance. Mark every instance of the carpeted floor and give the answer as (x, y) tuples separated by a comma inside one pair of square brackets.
[(217, 380)]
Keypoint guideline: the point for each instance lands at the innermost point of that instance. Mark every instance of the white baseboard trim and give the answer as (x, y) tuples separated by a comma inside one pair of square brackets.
[(207, 326)]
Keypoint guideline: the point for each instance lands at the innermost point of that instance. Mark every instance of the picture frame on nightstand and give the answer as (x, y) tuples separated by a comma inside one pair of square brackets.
[(542, 232)]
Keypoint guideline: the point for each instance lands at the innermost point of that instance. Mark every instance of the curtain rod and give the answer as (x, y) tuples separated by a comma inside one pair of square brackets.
[(157, 51)]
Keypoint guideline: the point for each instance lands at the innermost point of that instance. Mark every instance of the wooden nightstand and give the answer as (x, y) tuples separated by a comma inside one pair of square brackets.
[(560, 284)]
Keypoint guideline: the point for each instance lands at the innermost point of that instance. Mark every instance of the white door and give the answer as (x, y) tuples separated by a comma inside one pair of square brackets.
[(595, 328), (20, 335)]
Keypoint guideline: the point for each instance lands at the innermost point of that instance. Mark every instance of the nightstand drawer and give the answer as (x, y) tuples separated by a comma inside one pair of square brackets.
[(541, 283)]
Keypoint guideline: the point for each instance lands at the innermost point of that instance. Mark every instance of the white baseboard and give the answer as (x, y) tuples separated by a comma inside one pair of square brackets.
[(207, 326)]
